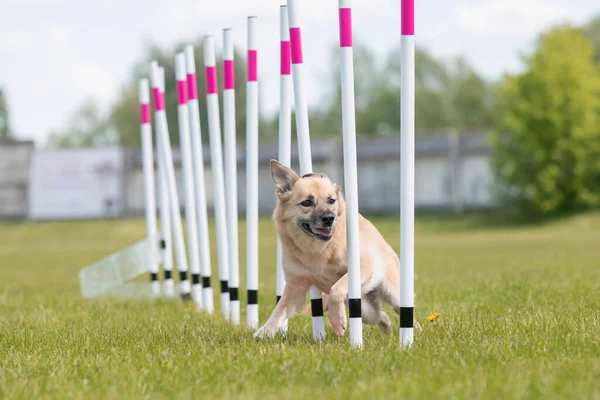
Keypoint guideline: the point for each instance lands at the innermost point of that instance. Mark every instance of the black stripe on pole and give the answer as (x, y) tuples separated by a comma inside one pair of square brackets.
[(153, 276), (278, 298), (252, 296), (233, 294), (162, 244), (195, 279), (167, 274), (354, 308), (316, 306), (206, 281), (182, 276), (224, 288), (406, 317)]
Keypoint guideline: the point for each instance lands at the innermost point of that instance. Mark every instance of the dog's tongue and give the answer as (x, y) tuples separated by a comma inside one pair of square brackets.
[(323, 231)]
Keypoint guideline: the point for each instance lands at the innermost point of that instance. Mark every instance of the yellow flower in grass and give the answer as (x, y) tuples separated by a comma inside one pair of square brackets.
[(433, 317)]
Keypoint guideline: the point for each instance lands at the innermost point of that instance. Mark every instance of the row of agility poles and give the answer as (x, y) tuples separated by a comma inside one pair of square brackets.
[(224, 179), (224, 170)]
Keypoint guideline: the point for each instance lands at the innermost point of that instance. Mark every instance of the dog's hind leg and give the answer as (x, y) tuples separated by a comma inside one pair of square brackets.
[(391, 295), (372, 314)]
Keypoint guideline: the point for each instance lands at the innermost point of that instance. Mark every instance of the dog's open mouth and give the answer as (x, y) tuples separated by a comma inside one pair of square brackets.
[(323, 234)]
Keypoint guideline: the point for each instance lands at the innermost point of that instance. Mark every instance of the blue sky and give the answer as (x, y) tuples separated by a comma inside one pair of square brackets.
[(56, 53)]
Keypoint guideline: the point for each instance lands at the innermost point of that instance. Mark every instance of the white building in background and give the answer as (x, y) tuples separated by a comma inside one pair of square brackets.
[(15, 161), (452, 172)]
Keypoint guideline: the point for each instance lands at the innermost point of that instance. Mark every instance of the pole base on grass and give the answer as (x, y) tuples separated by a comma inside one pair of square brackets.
[(155, 288), (169, 288), (406, 338), (186, 297), (207, 300)]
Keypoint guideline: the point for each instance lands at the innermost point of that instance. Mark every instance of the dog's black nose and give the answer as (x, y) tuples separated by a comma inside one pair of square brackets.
[(328, 218)]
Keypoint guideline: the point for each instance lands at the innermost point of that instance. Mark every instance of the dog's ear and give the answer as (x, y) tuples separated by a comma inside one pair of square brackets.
[(338, 188), (341, 201), (283, 177)]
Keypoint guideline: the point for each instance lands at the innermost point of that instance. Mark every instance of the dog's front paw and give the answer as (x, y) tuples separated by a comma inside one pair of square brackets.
[(337, 317), (265, 332)]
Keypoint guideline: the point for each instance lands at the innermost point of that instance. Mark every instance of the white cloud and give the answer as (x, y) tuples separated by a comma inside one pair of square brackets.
[(33, 3), (12, 40), (510, 18), (58, 34), (88, 48), (95, 81)]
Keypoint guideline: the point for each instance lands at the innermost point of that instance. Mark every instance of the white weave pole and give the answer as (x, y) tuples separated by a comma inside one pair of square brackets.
[(303, 132), (148, 168), (252, 177), (199, 185), (230, 158), (164, 147), (350, 171), (185, 146), (285, 127), (216, 155), (407, 174), (166, 242)]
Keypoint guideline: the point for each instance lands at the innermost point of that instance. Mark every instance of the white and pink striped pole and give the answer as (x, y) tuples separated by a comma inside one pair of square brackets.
[(252, 177), (148, 168), (164, 147), (216, 155), (166, 242), (230, 158), (407, 173), (185, 147), (199, 185), (350, 172), (303, 133), (285, 127)]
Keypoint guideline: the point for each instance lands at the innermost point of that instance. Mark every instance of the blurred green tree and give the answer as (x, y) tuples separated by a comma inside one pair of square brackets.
[(448, 93), (592, 31), (86, 127), (547, 135), (124, 115), (121, 126), (5, 131)]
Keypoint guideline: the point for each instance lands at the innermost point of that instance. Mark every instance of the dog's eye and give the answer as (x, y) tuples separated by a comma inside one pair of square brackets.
[(306, 203), (331, 201)]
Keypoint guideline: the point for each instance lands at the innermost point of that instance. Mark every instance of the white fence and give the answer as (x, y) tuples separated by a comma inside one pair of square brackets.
[(452, 172), (15, 161)]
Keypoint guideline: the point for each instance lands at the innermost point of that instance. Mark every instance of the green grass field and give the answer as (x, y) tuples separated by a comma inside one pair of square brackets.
[(519, 319)]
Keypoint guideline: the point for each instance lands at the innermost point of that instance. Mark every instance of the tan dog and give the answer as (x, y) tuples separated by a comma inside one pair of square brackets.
[(310, 221)]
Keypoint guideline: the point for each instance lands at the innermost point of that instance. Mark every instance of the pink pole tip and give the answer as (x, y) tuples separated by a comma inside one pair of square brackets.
[(286, 60), (296, 44), (192, 87), (408, 17), (345, 27), (181, 92), (228, 75), (145, 113), (211, 80), (159, 99), (252, 66)]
